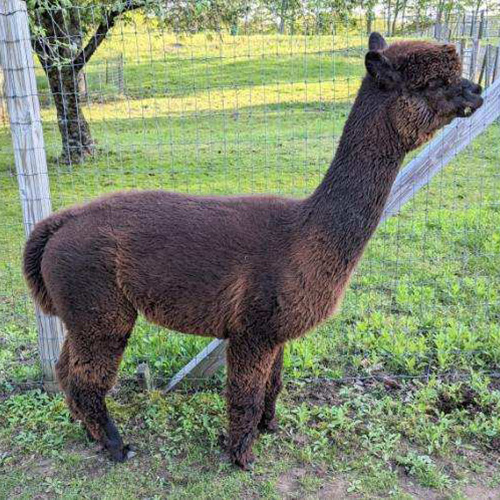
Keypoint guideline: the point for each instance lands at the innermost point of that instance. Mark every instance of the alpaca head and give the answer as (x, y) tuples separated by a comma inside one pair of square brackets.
[(422, 86)]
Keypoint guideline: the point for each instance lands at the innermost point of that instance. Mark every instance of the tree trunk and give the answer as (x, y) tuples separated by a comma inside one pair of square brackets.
[(388, 30), (403, 15), (397, 7), (62, 41), (474, 18), (282, 26), (438, 24), (369, 22), (284, 8), (77, 142)]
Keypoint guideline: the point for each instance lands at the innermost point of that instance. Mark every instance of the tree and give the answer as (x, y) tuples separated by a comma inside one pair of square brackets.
[(192, 16), (66, 36), (399, 6), (68, 33), (369, 8), (283, 10)]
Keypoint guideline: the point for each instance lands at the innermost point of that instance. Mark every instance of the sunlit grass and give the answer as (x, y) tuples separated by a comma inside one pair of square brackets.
[(229, 99)]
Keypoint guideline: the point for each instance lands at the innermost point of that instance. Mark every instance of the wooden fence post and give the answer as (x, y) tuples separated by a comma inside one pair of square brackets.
[(480, 31), (29, 153), (496, 63), (483, 74), (476, 47)]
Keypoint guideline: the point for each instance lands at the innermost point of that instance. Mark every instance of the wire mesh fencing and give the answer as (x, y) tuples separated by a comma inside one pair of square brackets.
[(255, 111)]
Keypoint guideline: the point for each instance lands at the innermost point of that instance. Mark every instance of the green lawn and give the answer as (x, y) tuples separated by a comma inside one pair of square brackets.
[(256, 114)]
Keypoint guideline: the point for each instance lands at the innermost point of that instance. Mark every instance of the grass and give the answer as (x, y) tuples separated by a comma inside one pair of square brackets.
[(366, 441), (256, 114)]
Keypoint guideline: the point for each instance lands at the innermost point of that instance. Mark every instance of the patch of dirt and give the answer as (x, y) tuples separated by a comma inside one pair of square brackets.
[(325, 392), (317, 392), (289, 486), (466, 399), (410, 486), (479, 485), (335, 490), (479, 492), (420, 492)]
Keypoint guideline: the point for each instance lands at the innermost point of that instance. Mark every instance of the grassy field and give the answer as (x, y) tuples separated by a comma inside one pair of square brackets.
[(418, 331)]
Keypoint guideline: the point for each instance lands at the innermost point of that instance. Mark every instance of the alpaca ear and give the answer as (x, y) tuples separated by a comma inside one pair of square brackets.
[(376, 42), (381, 69), (449, 48)]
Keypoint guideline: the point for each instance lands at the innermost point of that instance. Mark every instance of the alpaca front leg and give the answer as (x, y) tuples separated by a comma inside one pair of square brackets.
[(249, 365), (273, 387)]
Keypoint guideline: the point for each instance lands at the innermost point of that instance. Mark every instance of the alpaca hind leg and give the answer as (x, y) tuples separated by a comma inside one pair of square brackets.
[(249, 365), (94, 355), (273, 387), (92, 373), (62, 373)]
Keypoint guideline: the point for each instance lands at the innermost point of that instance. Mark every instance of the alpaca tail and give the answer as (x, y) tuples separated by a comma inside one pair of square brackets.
[(32, 260)]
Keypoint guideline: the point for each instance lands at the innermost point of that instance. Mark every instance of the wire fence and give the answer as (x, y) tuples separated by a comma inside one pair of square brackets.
[(260, 112)]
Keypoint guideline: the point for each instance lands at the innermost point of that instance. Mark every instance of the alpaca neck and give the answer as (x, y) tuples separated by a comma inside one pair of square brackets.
[(348, 204)]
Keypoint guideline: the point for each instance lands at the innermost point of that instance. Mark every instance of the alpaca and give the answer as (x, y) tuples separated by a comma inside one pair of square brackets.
[(258, 271)]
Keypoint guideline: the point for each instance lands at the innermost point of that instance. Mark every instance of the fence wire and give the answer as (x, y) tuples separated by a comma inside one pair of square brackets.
[(255, 111)]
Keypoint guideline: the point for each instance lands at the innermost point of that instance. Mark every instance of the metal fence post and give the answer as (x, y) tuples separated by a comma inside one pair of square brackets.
[(29, 153)]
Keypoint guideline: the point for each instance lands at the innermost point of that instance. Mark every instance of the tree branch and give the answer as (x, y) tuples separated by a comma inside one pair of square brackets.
[(42, 48), (105, 25), (42, 51)]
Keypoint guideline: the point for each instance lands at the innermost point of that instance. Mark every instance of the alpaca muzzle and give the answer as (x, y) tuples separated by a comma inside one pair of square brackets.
[(470, 100)]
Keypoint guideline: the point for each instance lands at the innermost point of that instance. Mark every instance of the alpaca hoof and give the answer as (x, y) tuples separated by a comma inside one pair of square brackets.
[(122, 454), (270, 427), (244, 462)]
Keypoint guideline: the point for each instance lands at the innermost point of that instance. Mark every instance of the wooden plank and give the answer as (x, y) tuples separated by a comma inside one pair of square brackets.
[(438, 153), (203, 365), (488, 78), (496, 64), (483, 74), (29, 153)]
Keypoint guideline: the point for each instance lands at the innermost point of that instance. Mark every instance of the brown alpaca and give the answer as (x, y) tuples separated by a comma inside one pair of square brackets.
[(258, 271)]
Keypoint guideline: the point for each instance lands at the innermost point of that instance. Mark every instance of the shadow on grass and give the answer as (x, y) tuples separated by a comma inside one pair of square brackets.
[(178, 77)]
